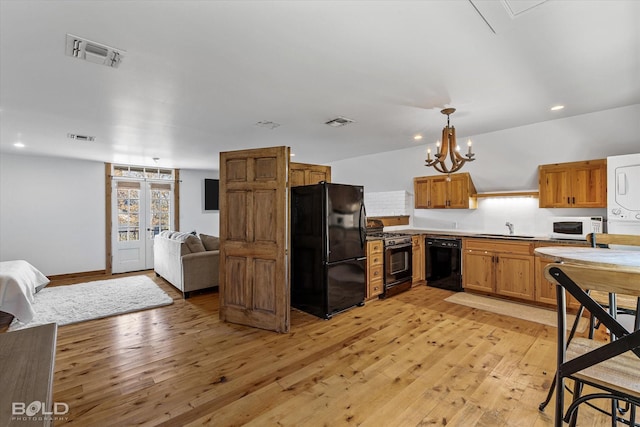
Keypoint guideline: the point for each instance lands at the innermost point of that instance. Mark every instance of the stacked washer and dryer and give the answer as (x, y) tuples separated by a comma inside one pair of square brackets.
[(623, 195)]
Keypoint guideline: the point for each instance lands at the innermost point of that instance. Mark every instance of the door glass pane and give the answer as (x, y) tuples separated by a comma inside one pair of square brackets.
[(160, 208), (128, 208)]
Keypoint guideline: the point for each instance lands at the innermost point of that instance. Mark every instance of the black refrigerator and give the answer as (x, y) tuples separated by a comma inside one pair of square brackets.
[(328, 242)]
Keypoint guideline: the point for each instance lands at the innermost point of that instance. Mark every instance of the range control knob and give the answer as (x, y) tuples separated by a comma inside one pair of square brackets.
[(638, 216), (616, 211)]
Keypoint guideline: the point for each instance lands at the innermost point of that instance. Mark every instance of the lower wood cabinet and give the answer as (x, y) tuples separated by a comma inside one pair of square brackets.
[(418, 259), (546, 290), (375, 268), (499, 267)]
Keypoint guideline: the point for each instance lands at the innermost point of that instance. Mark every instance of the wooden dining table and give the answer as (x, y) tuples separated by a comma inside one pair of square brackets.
[(610, 270), (610, 261), (615, 259)]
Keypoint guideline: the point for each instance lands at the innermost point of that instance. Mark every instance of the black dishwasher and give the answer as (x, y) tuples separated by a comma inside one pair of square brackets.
[(444, 263)]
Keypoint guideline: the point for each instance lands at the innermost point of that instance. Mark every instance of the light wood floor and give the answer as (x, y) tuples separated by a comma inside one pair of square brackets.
[(410, 360)]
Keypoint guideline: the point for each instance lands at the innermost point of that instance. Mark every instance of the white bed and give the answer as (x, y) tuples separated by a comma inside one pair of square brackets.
[(19, 282)]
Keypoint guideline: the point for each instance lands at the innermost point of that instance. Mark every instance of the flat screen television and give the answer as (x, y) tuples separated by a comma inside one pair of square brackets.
[(211, 194)]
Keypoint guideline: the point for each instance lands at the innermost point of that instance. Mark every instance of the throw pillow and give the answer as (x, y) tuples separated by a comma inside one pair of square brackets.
[(211, 243), (194, 244)]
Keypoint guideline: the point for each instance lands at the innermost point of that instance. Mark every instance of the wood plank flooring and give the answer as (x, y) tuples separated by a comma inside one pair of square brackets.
[(410, 360)]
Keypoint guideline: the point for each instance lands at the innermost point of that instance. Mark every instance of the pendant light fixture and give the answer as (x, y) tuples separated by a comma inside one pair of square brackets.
[(449, 147)]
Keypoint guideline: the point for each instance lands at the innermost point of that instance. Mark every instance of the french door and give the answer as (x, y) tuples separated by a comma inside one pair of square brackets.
[(140, 210)]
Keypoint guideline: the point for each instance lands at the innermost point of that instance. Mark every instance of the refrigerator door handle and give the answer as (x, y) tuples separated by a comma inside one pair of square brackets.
[(362, 225)]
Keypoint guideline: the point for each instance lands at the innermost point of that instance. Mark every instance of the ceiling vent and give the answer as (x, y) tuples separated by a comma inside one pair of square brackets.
[(84, 138), (93, 52), (339, 121), (267, 124)]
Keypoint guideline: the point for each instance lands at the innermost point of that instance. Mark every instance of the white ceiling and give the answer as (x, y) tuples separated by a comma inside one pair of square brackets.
[(198, 75)]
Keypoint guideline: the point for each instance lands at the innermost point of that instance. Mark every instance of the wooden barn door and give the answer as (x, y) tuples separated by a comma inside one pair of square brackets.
[(254, 238)]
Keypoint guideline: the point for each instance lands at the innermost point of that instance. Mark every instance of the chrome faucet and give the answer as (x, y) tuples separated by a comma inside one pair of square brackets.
[(510, 225)]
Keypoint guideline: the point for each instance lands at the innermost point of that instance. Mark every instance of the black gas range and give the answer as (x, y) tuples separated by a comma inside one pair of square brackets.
[(397, 258)]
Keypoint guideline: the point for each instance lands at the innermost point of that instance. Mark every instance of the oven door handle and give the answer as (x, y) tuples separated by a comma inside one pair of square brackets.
[(400, 246)]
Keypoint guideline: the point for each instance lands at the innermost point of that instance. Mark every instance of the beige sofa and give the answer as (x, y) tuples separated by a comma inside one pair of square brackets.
[(186, 261)]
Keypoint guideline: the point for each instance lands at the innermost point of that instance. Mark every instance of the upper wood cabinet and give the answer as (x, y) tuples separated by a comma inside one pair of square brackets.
[(573, 185), (455, 191), (307, 174)]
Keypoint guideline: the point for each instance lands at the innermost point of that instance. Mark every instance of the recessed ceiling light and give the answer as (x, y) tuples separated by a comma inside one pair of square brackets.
[(19, 145), (292, 154), (417, 137), (557, 107)]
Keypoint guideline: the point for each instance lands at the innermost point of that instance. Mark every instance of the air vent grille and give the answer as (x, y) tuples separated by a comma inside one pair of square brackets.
[(339, 121), (91, 51), (84, 138), (267, 124)]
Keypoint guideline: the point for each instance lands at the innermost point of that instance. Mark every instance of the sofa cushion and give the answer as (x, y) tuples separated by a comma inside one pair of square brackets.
[(194, 244), (211, 243)]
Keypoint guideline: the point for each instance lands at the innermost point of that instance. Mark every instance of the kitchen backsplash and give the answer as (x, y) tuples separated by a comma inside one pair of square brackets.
[(388, 203), (490, 216)]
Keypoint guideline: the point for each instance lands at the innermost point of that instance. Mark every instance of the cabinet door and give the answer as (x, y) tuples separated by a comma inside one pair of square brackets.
[(417, 265), (515, 275), (459, 192), (296, 177), (421, 192), (545, 291), (555, 186), (438, 192), (307, 174), (478, 270), (317, 176), (589, 185)]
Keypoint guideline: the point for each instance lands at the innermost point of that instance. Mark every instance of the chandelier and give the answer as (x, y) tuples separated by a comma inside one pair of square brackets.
[(449, 147)]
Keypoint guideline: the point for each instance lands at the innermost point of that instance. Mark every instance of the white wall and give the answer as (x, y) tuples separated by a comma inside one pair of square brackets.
[(508, 159), (52, 213), (192, 213), (505, 160)]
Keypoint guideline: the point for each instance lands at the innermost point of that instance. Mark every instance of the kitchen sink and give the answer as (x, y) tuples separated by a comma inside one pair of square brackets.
[(514, 236)]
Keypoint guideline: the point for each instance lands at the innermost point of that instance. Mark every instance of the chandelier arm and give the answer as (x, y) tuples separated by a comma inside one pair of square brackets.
[(441, 167)]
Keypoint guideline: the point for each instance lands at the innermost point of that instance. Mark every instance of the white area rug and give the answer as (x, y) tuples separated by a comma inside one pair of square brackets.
[(93, 300), (514, 309)]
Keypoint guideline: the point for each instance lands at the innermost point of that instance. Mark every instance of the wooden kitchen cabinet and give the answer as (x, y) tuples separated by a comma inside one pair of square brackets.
[(307, 174), (545, 290), (573, 185), (499, 267), (375, 268), (418, 259), (455, 191)]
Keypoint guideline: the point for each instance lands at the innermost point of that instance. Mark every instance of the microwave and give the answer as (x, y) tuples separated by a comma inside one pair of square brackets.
[(576, 227)]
